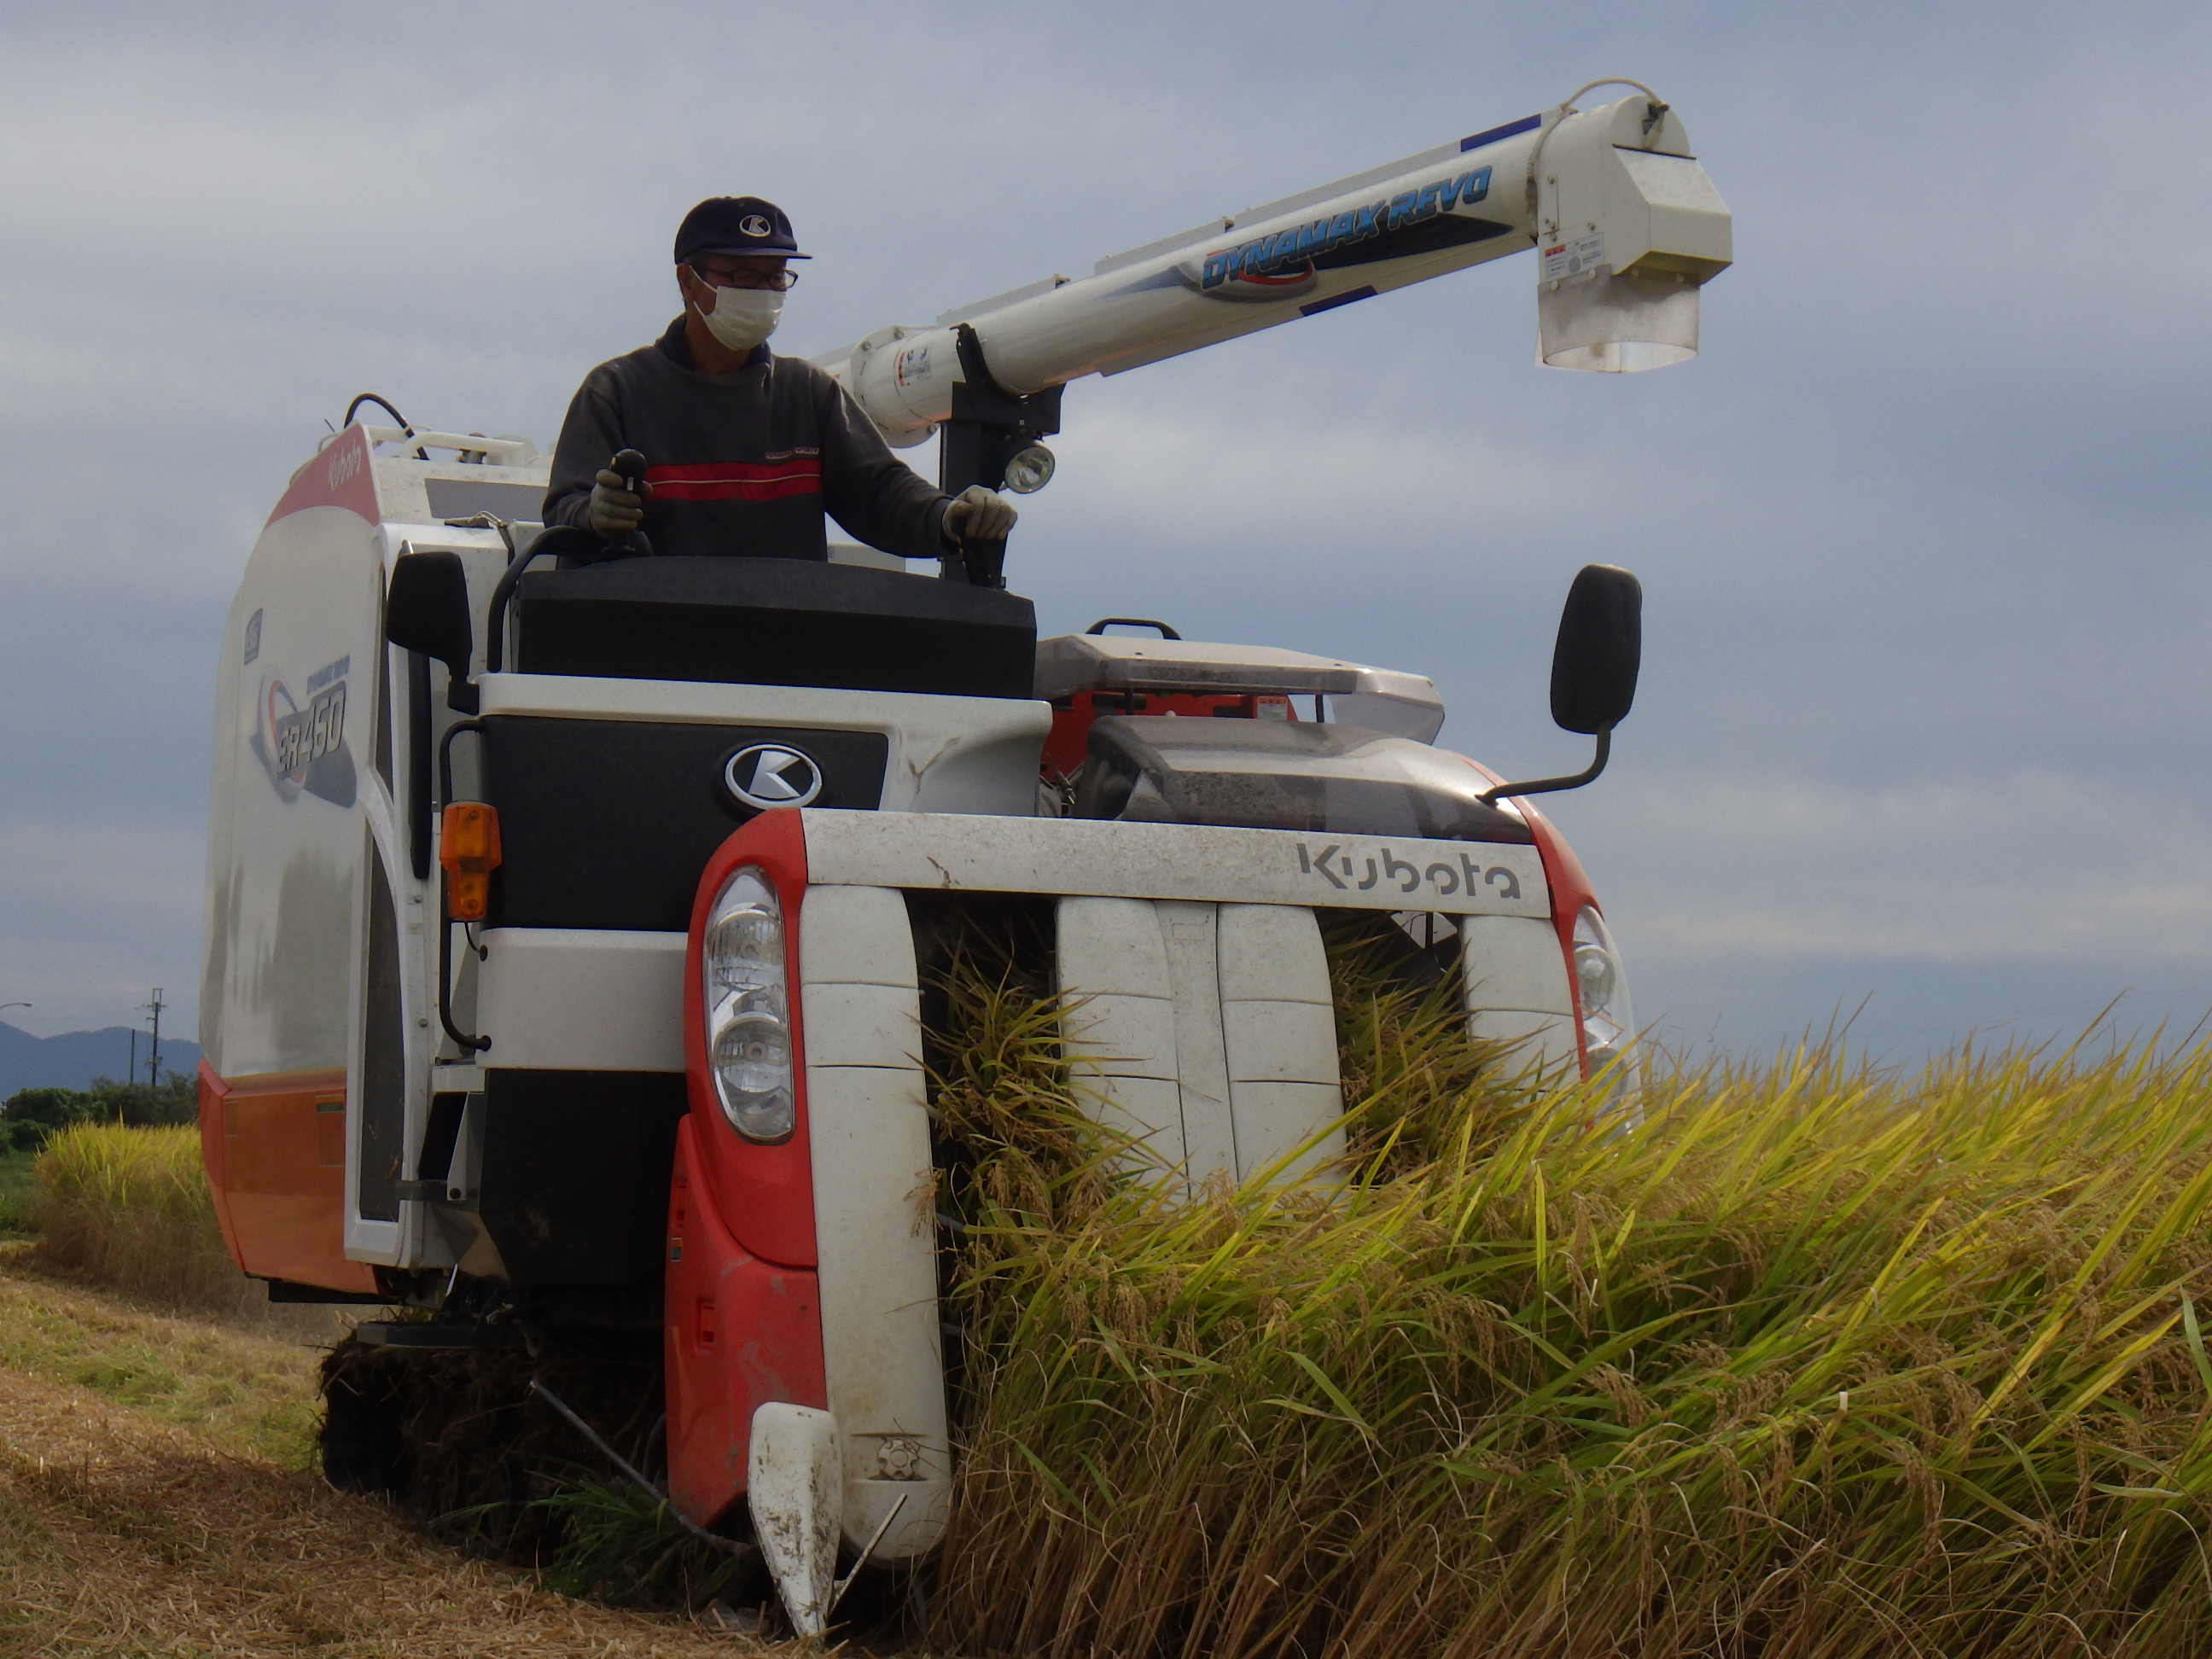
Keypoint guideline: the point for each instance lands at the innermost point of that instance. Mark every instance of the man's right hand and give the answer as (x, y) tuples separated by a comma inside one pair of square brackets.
[(614, 510)]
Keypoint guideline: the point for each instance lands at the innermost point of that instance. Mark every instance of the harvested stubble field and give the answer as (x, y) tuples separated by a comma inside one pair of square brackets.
[(156, 1499), (1811, 1362), (157, 1489)]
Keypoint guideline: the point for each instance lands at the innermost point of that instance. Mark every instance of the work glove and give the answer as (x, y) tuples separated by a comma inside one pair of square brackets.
[(978, 514), (613, 509)]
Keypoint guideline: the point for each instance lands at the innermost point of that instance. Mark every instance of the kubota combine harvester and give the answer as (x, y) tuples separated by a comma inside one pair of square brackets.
[(569, 929)]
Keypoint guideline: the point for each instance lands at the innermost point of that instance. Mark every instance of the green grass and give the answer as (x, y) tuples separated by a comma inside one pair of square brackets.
[(617, 1545), (127, 1210), (250, 1392), (19, 1186)]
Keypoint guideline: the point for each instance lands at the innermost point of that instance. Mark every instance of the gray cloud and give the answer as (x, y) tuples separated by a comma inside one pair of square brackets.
[(1922, 531)]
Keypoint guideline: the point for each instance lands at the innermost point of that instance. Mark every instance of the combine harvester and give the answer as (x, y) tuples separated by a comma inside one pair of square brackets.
[(569, 929)]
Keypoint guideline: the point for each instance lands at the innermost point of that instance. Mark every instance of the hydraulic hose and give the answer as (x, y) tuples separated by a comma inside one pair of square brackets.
[(406, 426)]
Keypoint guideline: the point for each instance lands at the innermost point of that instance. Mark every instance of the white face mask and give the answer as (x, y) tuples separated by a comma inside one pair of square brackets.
[(743, 316)]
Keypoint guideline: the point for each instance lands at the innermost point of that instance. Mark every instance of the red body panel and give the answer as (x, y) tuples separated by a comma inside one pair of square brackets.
[(339, 475), (739, 1332), (764, 1193), (273, 1148), (743, 1324), (1570, 890)]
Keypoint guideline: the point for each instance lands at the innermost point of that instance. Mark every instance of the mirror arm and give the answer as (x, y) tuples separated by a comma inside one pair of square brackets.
[(1548, 786)]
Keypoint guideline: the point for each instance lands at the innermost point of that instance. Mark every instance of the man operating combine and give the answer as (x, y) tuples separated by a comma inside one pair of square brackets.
[(744, 450)]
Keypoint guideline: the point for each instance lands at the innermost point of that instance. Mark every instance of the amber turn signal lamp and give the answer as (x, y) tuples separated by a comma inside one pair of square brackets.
[(468, 848)]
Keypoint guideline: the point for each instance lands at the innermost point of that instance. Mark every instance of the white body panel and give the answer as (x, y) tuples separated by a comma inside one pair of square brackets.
[(1517, 992), (303, 805), (565, 999), (1651, 207), (1082, 856), (1541, 1043), (284, 859), (1111, 955), (1201, 1062), (1279, 1032), (793, 1479), (425, 494), (1205, 1030), (1515, 961), (874, 1186)]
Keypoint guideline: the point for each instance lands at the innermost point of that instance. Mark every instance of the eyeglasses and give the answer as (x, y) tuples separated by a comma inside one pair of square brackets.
[(776, 282)]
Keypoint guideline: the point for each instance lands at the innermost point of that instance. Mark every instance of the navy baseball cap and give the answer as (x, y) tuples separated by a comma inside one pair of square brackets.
[(738, 225)]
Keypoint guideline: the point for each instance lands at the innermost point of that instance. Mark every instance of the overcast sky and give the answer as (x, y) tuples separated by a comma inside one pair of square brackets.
[(1924, 532)]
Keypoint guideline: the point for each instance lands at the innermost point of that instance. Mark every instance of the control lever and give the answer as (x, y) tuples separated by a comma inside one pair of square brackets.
[(986, 561), (629, 543)]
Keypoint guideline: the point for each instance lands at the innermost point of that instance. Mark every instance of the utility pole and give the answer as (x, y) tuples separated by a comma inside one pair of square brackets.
[(154, 1058)]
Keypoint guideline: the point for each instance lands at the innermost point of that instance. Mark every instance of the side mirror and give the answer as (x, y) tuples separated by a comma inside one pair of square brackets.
[(427, 609), (1600, 648)]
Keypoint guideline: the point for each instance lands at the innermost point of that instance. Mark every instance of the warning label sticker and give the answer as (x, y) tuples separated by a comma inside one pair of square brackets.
[(1572, 257)]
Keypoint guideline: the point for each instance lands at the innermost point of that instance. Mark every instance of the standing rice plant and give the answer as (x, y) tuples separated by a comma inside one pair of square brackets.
[(128, 1208), (1415, 1078), (1814, 1360)]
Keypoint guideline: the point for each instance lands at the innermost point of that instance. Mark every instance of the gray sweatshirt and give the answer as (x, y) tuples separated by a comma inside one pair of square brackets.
[(743, 464)]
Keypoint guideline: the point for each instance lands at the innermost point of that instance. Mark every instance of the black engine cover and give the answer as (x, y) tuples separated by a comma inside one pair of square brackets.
[(776, 622), (607, 823), (1281, 774)]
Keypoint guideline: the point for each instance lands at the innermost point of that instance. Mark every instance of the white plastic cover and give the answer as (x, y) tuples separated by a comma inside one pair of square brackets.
[(794, 1487), (1616, 325)]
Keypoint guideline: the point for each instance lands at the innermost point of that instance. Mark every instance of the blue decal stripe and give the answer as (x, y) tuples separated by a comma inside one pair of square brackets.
[(1528, 123), (1343, 299), (1303, 244)]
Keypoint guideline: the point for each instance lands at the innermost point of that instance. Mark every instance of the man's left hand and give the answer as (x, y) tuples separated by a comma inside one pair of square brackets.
[(978, 514)]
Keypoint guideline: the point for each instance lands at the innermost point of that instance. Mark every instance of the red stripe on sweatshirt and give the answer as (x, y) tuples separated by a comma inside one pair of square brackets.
[(736, 481)]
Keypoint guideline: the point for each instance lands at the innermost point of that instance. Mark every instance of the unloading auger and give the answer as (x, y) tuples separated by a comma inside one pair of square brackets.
[(568, 928)]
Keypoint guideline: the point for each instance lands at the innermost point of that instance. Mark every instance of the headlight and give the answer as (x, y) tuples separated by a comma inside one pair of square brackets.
[(747, 1008), (1030, 470), (1602, 991)]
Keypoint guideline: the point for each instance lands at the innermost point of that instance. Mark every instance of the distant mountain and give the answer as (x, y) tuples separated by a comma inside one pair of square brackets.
[(73, 1059)]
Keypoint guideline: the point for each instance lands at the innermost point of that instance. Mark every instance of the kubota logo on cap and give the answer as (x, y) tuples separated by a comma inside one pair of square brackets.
[(768, 775), (753, 225)]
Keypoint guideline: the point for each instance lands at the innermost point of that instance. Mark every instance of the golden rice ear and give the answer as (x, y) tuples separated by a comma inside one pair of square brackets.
[(1017, 1123), (1913, 1344), (128, 1209), (1418, 1083)]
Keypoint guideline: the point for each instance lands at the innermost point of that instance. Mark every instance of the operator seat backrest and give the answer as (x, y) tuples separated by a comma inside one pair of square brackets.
[(776, 621)]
